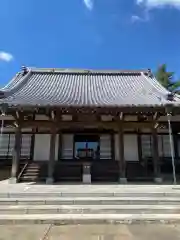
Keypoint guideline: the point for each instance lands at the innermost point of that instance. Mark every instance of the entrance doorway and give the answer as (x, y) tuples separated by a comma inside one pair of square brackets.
[(86, 147)]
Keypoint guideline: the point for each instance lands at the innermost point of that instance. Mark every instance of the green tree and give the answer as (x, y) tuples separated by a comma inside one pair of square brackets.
[(167, 79)]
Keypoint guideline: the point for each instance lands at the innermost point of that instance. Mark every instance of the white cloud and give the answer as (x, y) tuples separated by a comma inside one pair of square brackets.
[(6, 57), (148, 5), (159, 3), (144, 18), (89, 4), (136, 18)]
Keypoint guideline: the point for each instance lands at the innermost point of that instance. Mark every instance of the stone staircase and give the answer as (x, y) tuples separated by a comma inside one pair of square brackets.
[(35, 171), (84, 206), (71, 171)]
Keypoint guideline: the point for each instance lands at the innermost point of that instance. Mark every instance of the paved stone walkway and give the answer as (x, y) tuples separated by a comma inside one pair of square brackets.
[(90, 232)]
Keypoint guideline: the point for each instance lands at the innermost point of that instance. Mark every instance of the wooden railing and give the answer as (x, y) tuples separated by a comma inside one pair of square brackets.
[(22, 170)]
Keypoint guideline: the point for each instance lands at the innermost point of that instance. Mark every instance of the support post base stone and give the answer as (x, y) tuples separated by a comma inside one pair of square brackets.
[(12, 180), (49, 180), (87, 178), (158, 180), (123, 180)]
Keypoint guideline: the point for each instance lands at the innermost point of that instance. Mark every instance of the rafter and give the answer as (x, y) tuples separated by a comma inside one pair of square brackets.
[(156, 116)]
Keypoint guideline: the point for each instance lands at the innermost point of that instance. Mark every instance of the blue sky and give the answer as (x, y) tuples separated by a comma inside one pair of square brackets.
[(110, 34)]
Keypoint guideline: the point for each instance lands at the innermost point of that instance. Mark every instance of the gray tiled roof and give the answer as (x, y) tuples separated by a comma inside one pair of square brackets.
[(58, 87)]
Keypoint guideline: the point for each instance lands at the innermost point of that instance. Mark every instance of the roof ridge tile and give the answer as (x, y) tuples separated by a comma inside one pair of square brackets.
[(74, 70)]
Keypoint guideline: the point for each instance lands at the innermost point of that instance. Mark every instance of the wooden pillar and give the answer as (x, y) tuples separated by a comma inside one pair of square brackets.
[(156, 162), (32, 144), (16, 155), (122, 163), (60, 146), (50, 178), (139, 142), (112, 147)]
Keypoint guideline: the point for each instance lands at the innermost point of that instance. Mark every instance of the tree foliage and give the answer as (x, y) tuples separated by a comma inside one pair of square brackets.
[(166, 79)]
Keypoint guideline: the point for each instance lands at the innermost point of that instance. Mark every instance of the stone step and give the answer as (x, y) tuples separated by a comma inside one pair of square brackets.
[(31, 171), (87, 218), (91, 201), (30, 176), (27, 194), (89, 209)]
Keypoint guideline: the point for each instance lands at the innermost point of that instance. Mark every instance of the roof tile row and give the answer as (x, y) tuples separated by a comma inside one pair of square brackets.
[(77, 88)]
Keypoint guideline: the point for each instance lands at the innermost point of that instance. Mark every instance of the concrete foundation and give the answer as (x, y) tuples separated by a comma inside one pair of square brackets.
[(87, 178), (13, 180), (123, 180), (49, 181), (158, 180)]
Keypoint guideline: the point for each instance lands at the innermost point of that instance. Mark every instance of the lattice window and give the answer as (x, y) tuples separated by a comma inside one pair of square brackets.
[(146, 141), (163, 146), (105, 147), (67, 146), (26, 145)]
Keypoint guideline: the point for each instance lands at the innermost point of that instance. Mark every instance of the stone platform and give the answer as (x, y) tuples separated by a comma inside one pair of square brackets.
[(88, 204)]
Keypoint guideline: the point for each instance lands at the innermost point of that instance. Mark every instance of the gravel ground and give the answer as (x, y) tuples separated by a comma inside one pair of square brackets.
[(90, 232)]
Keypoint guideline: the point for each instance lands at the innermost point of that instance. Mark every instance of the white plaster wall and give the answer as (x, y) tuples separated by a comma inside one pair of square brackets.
[(131, 147), (41, 147)]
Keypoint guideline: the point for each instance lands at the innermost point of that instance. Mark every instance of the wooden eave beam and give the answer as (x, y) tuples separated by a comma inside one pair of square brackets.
[(96, 110), (66, 124)]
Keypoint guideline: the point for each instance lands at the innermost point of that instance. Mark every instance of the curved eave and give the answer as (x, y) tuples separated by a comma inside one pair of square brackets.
[(102, 110)]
